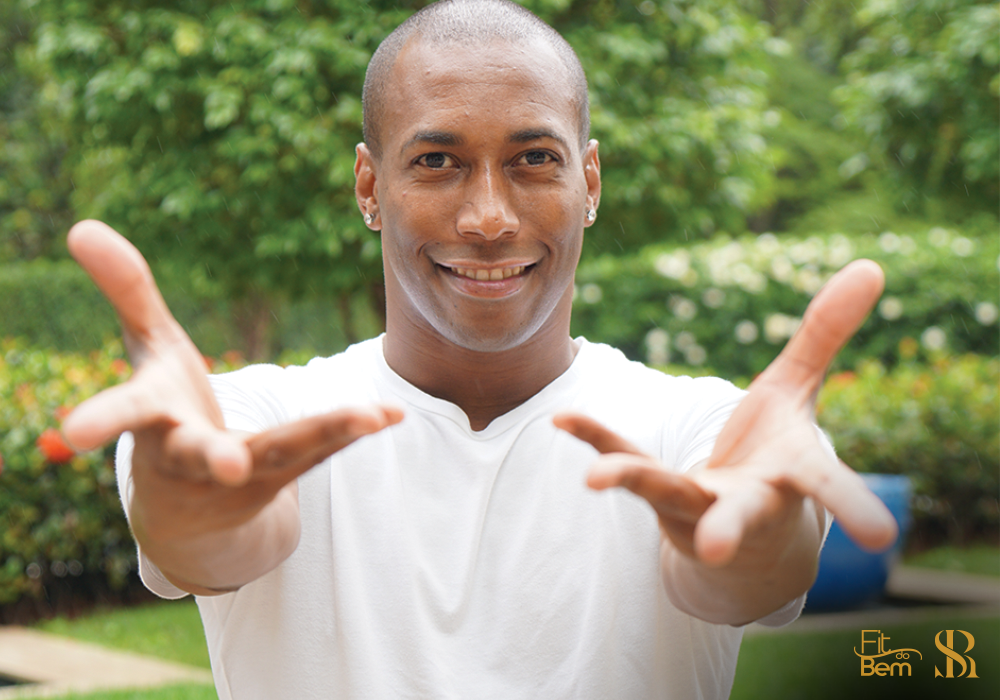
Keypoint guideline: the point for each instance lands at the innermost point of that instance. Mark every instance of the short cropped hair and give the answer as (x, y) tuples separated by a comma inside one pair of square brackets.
[(467, 23)]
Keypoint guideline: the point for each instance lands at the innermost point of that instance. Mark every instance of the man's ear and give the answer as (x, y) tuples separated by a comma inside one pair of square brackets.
[(365, 190), (592, 174)]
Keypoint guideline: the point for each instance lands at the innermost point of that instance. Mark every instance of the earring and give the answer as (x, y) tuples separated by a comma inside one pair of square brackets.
[(591, 215), (369, 218)]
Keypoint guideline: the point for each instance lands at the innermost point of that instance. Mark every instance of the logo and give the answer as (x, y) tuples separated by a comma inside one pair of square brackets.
[(948, 649), (896, 664)]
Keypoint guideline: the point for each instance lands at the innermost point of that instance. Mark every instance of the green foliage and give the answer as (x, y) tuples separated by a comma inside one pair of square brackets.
[(59, 519), (55, 305), (34, 190), (731, 304), (220, 136), (679, 104), (923, 85), (937, 424), (62, 519)]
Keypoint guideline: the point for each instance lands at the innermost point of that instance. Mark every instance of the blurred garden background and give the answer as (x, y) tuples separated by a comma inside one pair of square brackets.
[(750, 148)]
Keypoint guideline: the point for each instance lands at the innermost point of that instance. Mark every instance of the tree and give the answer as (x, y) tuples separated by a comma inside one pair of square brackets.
[(220, 136), (924, 84), (34, 192)]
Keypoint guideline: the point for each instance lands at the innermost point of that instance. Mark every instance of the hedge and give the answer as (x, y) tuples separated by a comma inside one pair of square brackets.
[(937, 423), (732, 304)]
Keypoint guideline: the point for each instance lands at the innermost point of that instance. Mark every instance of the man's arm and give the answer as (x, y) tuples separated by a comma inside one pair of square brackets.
[(211, 508), (741, 536)]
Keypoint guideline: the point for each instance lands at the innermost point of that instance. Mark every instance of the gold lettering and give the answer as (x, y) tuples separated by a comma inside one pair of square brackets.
[(881, 668), (867, 666), (899, 665), (868, 641)]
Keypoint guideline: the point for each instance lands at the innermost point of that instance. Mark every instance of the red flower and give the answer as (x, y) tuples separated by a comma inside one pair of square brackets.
[(1, 464), (54, 448)]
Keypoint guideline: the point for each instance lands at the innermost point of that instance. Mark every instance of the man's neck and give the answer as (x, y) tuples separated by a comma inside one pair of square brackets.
[(485, 385)]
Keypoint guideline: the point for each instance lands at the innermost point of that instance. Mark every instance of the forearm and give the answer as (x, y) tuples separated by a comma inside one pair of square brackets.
[(770, 570), (225, 560)]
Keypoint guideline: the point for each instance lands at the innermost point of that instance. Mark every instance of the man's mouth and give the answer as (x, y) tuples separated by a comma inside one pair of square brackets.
[(488, 274)]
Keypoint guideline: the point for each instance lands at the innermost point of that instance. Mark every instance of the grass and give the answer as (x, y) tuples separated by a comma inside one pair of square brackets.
[(823, 666), (169, 630), (980, 559)]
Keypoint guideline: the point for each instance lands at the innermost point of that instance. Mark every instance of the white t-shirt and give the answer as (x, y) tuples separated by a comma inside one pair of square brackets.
[(440, 562)]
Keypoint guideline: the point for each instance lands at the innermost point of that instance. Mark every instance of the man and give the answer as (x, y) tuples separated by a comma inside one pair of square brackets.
[(407, 519)]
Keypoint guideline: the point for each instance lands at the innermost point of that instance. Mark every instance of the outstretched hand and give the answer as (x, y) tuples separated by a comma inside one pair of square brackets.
[(191, 476), (748, 502)]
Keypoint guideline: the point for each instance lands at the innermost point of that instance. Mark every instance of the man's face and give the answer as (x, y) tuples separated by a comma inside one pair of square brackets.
[(481, 193)]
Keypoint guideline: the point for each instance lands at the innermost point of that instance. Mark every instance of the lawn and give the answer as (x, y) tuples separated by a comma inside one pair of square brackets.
[(817, 666)]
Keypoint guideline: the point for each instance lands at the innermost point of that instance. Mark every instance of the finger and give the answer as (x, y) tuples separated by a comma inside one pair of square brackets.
[(201, 452), (592, 432), (107, 415), (121, 273), (860, 513), (292, 449), (832, 317), (720, 531), (672, 496)]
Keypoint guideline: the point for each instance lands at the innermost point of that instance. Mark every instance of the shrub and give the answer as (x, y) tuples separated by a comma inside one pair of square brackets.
[(60, 511), (732, 304), (63, 529), (936, 423)]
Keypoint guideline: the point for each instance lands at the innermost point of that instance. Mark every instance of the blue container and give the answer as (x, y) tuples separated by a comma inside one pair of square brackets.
[(850, 577)]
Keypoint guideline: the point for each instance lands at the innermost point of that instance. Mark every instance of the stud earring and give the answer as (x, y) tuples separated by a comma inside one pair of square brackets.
[(369, 218), (591, 215)]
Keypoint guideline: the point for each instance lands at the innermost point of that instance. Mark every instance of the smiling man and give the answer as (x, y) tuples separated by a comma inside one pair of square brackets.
[(450, 510)]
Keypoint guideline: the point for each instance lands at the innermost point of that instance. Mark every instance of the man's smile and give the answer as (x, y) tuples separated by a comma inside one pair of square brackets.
[(493, 273)]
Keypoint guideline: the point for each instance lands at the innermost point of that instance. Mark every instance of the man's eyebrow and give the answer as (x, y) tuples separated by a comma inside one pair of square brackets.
[(528, 135), (438, 138)]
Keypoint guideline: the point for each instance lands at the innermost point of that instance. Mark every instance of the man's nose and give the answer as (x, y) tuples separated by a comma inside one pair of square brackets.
[(487, 211)]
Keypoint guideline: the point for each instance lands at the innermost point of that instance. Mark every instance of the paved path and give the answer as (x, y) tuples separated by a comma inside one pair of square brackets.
[(56, 666)]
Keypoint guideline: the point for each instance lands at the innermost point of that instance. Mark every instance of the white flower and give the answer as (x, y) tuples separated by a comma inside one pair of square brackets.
[(938, 237), (746, 332), (782, 269), (890, 308), (713, 298), (840, 252), (807, 281), (673, 265), (695, 355), (591, 293), (657, 347), (889, 242), (685, 340), (778, 327), (986, 313), (933, 338), (684, 309), (962, 247)]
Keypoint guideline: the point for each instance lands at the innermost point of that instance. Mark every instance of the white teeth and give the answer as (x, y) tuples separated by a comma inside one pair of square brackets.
[(493, 275)]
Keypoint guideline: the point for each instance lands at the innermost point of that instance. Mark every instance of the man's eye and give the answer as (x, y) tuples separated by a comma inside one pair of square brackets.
[(535, 158), (435, 160)]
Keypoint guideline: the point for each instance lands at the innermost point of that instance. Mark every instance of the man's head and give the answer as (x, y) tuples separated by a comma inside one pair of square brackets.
[(467, 23), (481, 187)]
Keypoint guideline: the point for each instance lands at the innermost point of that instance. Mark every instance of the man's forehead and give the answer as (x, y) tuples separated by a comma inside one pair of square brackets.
[(424, 64), (430, 78)]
